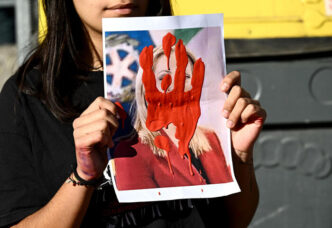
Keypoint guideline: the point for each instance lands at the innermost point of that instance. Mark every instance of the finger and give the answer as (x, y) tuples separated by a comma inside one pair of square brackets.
[(230, 80), (101, 103), (100, 125), (92, 139), (235, 93), (100, 114), (253, 112), (236, 112)]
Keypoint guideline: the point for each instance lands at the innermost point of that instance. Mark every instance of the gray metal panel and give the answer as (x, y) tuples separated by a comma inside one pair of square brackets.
[(292, 91), (248, 48), (7, 3), (294, 173), (25, 24), (23, 27)]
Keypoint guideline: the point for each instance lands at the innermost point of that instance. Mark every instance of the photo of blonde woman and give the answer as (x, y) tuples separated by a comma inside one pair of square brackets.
[(141, 162)]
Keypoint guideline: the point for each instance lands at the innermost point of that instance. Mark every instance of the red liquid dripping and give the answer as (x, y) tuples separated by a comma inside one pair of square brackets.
[(200, 176), (163, 142), (166, 82), (168, 41), (177, 106)]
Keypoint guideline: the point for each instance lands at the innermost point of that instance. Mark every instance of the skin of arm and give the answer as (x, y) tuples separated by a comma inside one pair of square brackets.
[(242, 206), (245, 117), (93, 132), (73, 200)]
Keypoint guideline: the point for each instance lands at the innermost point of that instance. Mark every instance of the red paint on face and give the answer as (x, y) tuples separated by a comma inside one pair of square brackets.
[(122, 113), (168, 41), (166, 82), (163, 142), (177, 106)]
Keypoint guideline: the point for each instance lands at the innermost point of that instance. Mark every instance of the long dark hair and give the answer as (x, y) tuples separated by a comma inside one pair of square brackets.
[(58, 57)]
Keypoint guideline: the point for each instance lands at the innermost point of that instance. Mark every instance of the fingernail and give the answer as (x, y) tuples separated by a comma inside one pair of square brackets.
[(229, 124), (259, 122), (225, 113), (224, 87)]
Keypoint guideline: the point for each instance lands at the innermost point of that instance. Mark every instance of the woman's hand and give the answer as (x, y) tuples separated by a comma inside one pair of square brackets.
[(93, 132), (245, 117)]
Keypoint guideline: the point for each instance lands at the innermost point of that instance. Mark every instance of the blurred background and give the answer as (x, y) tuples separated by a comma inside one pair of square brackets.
[(18, 33), (284, 50)]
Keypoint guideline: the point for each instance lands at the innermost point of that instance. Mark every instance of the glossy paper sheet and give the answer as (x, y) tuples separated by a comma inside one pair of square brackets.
[(164, 74)]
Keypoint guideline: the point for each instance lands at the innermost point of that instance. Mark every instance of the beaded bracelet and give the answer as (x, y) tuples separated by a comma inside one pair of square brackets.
[(81, 182)]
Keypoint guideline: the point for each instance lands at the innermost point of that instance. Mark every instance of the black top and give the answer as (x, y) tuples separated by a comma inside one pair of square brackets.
[(198, 165), (36, 154)]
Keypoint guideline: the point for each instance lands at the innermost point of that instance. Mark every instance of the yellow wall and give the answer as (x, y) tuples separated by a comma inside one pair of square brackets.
[(264, 18), (41, 22), (258, 18)]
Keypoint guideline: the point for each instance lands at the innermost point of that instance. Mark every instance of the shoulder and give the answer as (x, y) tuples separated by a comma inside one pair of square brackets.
[(10, 104), (210, 135), (11, 91), (13, 101), (32, 80), (10, 88), (212, 138), (15, 156)]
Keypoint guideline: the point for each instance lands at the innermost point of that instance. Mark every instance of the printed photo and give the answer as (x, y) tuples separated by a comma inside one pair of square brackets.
[(164, 76)]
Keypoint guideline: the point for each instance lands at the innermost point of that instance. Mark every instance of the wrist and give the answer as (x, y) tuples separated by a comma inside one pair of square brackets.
[(76, 183), (78, 179), (244, 157), (86, 175)]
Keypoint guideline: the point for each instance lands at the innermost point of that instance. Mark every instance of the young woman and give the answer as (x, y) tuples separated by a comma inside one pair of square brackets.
[(53, 118)]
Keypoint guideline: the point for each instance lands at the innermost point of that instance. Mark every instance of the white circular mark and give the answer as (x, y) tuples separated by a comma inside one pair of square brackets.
[(269, 156), (320, 86), (308, 159), (289, 152), (323, 167), (252, 84)]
